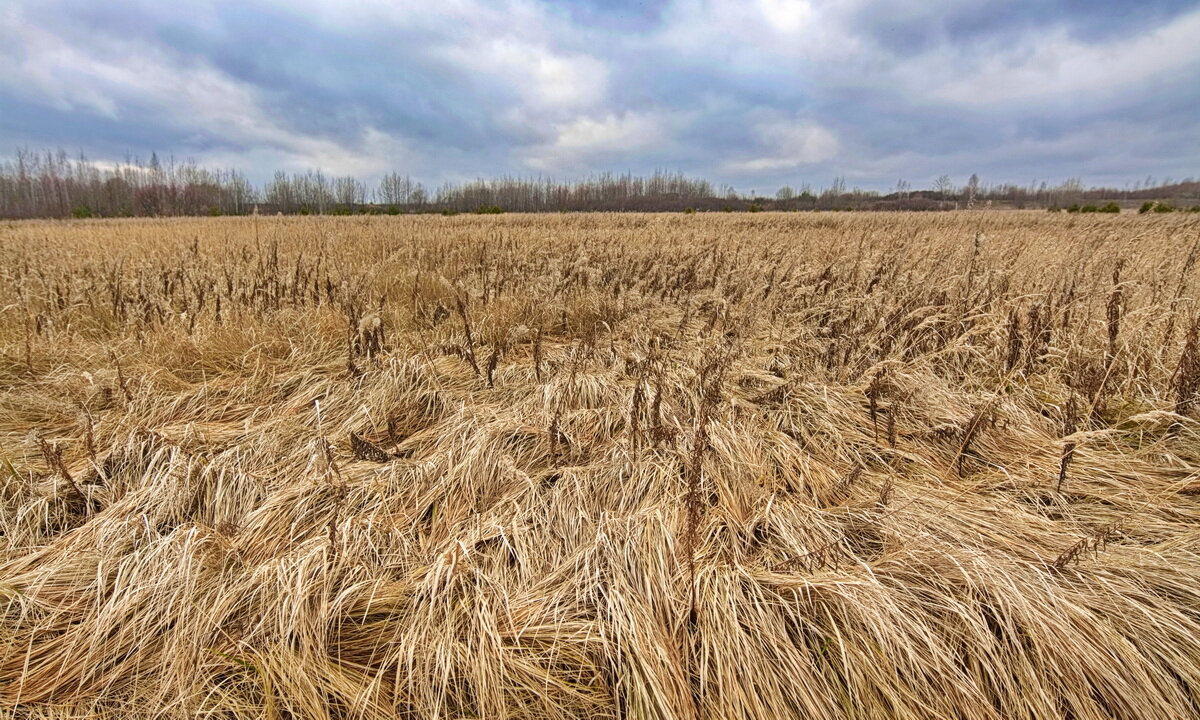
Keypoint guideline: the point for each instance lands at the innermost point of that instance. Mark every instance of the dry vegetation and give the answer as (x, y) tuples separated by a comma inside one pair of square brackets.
[(674, 466)]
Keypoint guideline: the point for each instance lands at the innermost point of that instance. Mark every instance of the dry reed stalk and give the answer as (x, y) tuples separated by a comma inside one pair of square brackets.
[(52, 454), (1070, 422), (1187, 372), (468, 336), (1113, 309)]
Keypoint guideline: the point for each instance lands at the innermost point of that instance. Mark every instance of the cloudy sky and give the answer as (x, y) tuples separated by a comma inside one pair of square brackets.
[(754, 93)]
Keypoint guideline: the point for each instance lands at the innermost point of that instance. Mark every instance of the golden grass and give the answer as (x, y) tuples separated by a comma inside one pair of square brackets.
[(827, 466)]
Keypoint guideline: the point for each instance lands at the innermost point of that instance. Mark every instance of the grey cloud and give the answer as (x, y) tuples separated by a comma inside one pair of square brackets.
[(525, 87), (908, 26)]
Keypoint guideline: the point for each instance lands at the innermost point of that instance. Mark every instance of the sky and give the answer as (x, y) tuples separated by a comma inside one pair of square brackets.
[(754, 94)]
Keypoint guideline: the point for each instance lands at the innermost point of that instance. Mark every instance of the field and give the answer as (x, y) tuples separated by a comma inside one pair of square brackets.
[(843, 465)]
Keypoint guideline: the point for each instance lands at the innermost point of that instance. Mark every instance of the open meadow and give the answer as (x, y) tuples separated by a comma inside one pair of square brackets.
[(712, 465)]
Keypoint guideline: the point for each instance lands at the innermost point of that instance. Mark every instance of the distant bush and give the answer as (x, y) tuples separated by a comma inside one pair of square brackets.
[(1111, 207), (214, 211), (1195, 209), (81, 211), (489, 210), (689, 211), (1054, 209), (1089, 209), (304, 210), (1073, 208), (393, 210), (341, 210), (1153, 206), (449, 213), (755, 207)]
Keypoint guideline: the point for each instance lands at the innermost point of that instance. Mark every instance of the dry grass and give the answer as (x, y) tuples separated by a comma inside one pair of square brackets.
[(828, 466)]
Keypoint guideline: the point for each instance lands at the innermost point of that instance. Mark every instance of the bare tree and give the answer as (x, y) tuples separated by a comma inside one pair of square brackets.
[(395, 189), (972, 189), (944, 185), (348, 191)]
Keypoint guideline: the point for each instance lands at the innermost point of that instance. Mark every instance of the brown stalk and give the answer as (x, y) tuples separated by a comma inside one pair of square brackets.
[(52, 454)]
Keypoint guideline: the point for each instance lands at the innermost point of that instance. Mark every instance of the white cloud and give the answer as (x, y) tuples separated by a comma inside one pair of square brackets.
[(541, 77), (768, 36), (41, 67), (1052, 67), (786, 16), (515, 46), (613, 132), (583, 138), (789, 143), (475, 19), (137, 83)]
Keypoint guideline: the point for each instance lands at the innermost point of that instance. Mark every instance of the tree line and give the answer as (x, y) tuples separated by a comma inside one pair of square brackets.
[(57, 185)]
